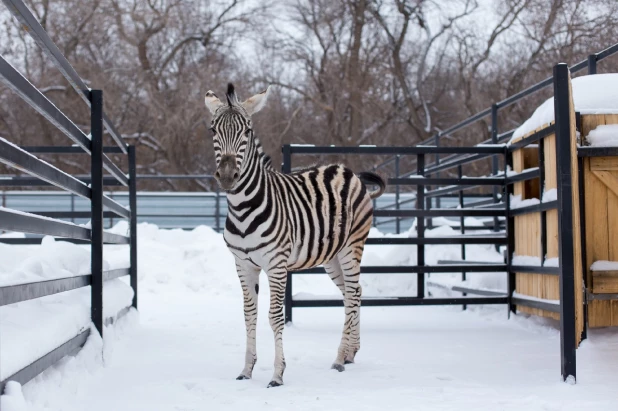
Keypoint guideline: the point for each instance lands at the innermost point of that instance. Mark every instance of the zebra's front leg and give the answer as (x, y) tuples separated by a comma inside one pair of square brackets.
[(277, 279), (249, 281)]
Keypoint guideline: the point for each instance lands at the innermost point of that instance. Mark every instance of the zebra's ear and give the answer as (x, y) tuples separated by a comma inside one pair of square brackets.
[(257, 102), (212, 102)]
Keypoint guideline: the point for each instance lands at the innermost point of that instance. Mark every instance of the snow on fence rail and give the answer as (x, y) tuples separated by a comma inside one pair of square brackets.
[(13, 220)]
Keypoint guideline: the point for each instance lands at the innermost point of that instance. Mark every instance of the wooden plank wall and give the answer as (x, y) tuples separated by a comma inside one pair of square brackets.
[(528, 228), (601, 203)]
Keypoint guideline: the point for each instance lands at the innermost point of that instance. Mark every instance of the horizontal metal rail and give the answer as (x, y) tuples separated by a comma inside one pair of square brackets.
[(535, 208), (116, 207), (412, 269), (597, 152), (13, 156), (66, 149), (463, 239), (402, 301), (395, 150), (476, 291), (40, 36), (525, 175), (70, 347), (533, 138), (442, 212), (541, 305), (31, 223), (23, 292), (534, 269), (111, 238), (479, 181), (30, 94)]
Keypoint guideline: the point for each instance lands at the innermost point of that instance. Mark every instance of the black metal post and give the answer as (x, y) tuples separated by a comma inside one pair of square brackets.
[(72, 206), (462, 228), (96, 205), (510, 234), (565, 221), (397, 190), (592, 64), (494, 160), (133, 234), (286, 168), (420, 226), (582, 239)]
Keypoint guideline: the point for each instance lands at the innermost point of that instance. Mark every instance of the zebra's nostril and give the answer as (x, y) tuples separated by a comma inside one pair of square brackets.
[(217, 175), (235, 175)]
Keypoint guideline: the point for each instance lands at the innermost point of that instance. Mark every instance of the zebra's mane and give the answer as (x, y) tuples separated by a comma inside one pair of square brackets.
[(264, 158)]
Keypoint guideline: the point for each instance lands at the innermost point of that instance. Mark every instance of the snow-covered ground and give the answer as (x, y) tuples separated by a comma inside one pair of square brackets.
[(185, 347)]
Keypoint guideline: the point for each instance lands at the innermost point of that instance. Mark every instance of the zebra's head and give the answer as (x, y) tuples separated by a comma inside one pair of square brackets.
[(232, 132)]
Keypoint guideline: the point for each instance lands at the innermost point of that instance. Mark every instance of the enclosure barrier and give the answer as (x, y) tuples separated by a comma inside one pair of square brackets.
[(92, 145), (218, 213), (450, 162), (565, 175), (420, 181)]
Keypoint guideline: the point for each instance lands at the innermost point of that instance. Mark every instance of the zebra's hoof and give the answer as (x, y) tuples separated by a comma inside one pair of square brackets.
[(274, 383), (338, 367), (243, 377)]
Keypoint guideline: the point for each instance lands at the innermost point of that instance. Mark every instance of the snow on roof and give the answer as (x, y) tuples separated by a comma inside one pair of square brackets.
[(593, 94)]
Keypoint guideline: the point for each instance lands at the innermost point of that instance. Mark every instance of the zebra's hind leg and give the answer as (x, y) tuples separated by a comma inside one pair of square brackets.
[(277, 280), (333, 268), (349, 260), (249, 281)]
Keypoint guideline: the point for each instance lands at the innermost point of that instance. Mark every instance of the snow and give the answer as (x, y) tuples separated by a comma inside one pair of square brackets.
[(33, 328), (603, 265), (605, 135), (531, 298), (517, 202), (552, 262), (550, 195), (593, 94), (185, 347), (526, 260)]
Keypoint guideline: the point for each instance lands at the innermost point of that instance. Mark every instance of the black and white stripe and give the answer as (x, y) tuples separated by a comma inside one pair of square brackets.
[(278, 222)]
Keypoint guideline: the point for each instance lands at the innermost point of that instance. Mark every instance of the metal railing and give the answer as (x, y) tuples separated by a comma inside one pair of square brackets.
[(421, 213), (91, 145), (502, 182)]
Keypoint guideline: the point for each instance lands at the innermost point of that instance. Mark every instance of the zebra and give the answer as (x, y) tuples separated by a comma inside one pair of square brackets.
[(281, 222)]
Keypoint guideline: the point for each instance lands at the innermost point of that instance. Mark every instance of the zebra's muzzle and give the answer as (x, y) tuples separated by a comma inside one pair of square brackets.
[(227, 173)]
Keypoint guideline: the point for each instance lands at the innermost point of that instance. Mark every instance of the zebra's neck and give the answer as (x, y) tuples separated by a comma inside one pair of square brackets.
[(256, 165)]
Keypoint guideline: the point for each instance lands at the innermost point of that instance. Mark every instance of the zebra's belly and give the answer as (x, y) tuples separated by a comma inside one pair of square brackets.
[(305, 255)]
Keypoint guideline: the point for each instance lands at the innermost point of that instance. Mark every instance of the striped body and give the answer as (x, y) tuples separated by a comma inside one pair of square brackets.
[(303, 219), (278, 222)]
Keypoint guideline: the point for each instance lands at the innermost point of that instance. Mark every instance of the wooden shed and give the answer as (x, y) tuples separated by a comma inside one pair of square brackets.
[(594, 178)]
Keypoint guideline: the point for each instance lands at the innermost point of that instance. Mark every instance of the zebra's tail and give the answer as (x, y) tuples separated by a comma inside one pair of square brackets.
[(369, 178)]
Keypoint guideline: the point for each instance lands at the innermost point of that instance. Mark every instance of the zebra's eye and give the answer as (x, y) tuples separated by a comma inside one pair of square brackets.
[(248, 132)]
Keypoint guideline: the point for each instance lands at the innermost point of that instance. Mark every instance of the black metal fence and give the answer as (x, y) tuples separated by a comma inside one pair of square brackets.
[(23, 159), (498, 207)]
